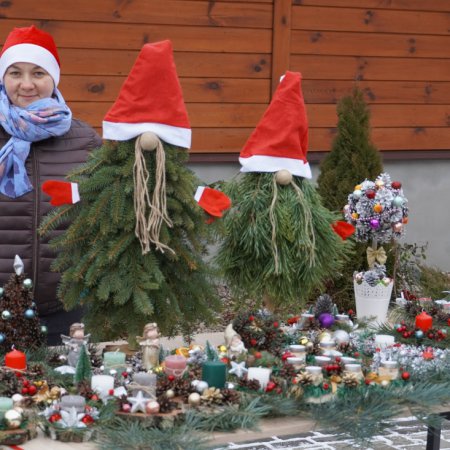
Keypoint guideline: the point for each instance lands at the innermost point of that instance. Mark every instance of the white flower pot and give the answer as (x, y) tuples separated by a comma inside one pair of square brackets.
[(372, 303)]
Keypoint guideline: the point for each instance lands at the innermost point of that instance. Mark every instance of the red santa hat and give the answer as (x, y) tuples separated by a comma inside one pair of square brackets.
[(280, 140), (150, 100), (61, 192), (30, 45), (212, 201)]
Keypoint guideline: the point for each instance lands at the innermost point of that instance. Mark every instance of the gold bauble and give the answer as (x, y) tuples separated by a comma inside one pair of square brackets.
[(222, 349), (303, 340), (194, 399), (385, 383), (283, 177), (325, 337)]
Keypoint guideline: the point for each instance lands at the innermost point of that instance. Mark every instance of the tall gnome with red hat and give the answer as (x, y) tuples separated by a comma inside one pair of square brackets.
[(279, 243), (133, 253)]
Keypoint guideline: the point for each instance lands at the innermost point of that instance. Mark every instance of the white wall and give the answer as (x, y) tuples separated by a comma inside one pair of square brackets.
[(426, 185)]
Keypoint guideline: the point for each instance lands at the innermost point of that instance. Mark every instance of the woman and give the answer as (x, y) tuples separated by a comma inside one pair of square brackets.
[(39, 140)]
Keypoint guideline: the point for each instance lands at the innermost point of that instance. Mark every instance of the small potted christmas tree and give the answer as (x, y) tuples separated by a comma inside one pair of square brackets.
[(378, 210)]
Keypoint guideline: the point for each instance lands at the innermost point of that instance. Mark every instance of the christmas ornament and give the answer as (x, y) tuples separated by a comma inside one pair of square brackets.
[(378, 208), (397, 227), (138, 403), (30, 314), (194, 399), (396, 185), (406, 376), (2, 338), (398, 201), (44, 329), (13, 419), (1, 292), (170, 393), (55, 418), (201, 385), (126, 407), (341, 337), (357, 193), (6, 315), (87, 419), (152, 407), (27, 283), (238, 369), (326, 320), (370, 193), (374, 224)]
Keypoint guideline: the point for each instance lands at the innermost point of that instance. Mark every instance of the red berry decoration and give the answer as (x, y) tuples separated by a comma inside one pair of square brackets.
[(251, 318), (94, 397), (370, 193), (54, 418), (125, 374), (326, 386), (32, 389), (24, 391), (405, 334), (396, 185), (276, 324), (258, 355), (87, 419), (270, 386), (25, 383), (253, 342), (406, 376), (111, 392)]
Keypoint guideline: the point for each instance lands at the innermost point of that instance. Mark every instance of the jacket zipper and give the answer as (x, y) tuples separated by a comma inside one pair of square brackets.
[(35, 252)]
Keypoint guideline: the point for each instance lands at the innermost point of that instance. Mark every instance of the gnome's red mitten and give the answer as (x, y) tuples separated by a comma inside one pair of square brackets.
[(61, 192)]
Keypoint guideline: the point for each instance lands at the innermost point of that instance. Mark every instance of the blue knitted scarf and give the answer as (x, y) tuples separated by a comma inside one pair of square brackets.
[(40, 120)]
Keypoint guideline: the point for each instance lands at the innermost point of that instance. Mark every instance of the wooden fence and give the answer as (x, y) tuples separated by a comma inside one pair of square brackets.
[(231, 53)]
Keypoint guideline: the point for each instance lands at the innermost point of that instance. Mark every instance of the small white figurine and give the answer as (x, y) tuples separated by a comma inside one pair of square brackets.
[(150, 345), (234, 343), (74, 342)]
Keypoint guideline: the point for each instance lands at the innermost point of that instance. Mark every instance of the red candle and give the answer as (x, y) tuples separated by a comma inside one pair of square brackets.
[(424, 321), (16, 360)]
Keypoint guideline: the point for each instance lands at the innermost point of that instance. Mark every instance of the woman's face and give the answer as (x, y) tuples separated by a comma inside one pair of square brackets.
[(26, 82)]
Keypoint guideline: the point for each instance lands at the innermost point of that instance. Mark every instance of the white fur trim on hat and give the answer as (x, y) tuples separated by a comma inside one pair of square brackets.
[(75, 192), (261, 163), (124, 131), (30, 53)]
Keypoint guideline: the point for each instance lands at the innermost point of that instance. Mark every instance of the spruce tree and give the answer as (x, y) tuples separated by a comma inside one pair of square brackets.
[(278, 243), (83, 370), (19, 323), (353, 157), (101, 260)]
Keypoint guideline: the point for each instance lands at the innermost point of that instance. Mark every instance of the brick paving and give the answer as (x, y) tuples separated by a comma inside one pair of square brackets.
[(404, 434)]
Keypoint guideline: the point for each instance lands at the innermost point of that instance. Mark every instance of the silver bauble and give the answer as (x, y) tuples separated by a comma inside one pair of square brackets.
[(194, 399)]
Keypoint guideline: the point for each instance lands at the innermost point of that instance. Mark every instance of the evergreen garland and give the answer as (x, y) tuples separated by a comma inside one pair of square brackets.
[(247, 255), (101, 260)]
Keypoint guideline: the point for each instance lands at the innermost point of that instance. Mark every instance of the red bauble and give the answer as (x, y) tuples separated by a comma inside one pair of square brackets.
[(251, 318), (275, 324), (253, 342), (25, 383), (54, 418), (257, 355), (125, 374), (270, 386), (94, 397), (370, 193), (406, 376), (396, 185), (171, 377), (326, 386), (32, 390), (87, 419), (24, 391)]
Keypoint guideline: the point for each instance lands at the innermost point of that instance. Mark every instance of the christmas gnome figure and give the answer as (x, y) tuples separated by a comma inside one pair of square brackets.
[(279, 242), (133, 252)]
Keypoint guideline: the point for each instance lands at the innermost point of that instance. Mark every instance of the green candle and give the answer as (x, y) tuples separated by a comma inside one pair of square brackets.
[(214, 373), (114, 360)]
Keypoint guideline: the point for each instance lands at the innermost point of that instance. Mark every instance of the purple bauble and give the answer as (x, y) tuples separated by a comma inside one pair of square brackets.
[(374, 224), (326, 320)]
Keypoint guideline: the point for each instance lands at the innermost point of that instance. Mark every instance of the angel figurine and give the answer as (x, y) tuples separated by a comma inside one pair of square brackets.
[(149, 342), (74, 342), (234, 343)]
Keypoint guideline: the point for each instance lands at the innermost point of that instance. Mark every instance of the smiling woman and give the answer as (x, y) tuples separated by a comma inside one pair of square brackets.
[(26, 83), (39, 140)]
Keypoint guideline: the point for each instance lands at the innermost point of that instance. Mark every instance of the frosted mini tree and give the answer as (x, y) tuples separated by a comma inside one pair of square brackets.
[(19, 322)]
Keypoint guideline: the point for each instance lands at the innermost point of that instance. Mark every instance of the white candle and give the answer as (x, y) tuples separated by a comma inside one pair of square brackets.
[(148, 380), (73, 401), (322, 360), (347, 360), (262, 374), (296, 361), (384, 340), (102, 384), (314, 370)]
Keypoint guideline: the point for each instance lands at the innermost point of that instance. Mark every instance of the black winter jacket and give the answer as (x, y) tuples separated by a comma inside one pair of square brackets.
[(19, 218)]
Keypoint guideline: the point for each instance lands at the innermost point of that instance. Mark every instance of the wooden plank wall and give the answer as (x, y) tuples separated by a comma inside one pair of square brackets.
[(230, 54)]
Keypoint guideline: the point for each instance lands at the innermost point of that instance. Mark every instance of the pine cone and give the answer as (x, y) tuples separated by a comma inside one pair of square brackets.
[(252, 385), (183, 388), (304, 379), (296, 391), (84, 389), (9, 384), (212, 395), (287, 372), (163, 384), (350, 379), (324, 304), (195, 372), (165, 404), (230, 396), (36, 370), (94, 356)]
